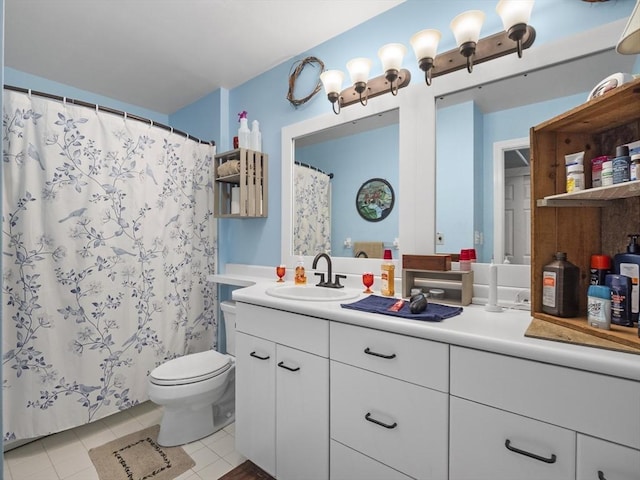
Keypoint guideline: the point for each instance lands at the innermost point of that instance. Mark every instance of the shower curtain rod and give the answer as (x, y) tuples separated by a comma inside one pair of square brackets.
[(330, 175), (107, 109)]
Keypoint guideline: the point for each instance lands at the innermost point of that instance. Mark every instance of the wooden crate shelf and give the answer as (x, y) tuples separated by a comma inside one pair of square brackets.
[(250, 178), (457, 285), (593, 221)]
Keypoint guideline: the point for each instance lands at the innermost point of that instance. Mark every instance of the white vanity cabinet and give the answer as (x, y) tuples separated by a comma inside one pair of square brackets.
[(389, 405), (282, 392), (516, 418)]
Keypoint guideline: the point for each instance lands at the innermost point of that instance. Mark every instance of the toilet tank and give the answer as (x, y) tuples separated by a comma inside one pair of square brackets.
[(228, 308)]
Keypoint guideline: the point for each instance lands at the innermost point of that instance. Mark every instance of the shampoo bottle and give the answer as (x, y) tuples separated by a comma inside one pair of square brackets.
[(628, 264), (560, 280), (243, 131), (388, 275)]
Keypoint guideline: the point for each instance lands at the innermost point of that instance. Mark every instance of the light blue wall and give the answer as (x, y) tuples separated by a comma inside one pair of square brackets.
[(455, 147), (257, 241), (353, 160), (1, 261)]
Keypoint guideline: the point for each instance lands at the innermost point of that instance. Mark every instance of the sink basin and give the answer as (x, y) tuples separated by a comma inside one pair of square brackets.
[(311, 293)]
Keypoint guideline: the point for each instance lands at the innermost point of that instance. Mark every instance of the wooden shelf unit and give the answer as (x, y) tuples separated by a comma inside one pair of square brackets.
[(593, 221), (251, 179)]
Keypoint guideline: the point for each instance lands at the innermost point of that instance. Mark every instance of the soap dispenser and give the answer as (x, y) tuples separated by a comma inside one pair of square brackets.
[(300, 277), (628, 264)]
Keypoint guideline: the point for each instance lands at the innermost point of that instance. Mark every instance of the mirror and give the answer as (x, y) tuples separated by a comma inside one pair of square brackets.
[(416, 105), (331, 167), (497, 116)]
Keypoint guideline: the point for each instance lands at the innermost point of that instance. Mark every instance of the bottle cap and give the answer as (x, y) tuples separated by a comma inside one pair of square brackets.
[(622, 151), (601, 262), (387, 254), (464, 254), (561, 255), (633, 246), (472, 254), (635, 157)]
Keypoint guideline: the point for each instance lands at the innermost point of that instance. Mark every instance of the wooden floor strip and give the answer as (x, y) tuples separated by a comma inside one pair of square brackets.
[(247, 471)]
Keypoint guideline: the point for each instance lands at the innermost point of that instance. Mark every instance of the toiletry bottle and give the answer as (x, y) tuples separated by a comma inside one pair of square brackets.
[(620, 299), (243, 131), (599, 306), (388, 275), (560, 280), (300, 278), (634, 172), (621, 164), (465, 260), (256, 137), (628, 264), (600, 267)]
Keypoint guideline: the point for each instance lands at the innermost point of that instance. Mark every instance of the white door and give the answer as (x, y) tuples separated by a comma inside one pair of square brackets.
[(517, 215), (302, 412), (255, 400)]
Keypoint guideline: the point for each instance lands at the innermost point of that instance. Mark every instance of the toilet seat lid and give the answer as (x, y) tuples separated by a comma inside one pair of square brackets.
[(195, 367)]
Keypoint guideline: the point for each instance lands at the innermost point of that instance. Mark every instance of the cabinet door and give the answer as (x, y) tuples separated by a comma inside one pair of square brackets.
[(255, 400), (397, 423), (492, 444), (347, 464), (602, 460), (302, 412)]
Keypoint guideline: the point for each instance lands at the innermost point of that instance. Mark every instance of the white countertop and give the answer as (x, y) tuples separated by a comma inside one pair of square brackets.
[(501, 332)]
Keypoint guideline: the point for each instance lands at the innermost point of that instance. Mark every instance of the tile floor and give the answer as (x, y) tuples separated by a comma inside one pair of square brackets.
[(65, 454)]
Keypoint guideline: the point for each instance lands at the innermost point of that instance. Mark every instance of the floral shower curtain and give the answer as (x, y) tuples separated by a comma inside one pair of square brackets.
[(108, 236), (312, 213)]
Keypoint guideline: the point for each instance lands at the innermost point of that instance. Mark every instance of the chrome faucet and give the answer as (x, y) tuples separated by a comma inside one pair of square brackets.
[(329, 283)]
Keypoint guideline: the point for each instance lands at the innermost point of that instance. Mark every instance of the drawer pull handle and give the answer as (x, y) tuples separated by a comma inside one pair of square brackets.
[(282, 365), (601, 475), (507, 444), (381, 355), (368, 418), (255, 355)]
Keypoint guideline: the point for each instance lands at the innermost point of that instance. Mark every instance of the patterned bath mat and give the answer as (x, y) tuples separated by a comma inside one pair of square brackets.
[(137, 456)]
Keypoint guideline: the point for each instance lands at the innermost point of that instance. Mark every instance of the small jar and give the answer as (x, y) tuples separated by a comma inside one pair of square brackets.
[(634, 172), (607, 173), (575, 178), (465, 260)]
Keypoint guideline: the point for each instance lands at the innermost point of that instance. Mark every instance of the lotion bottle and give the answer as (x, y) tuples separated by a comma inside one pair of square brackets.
[(388, 275), (255, 137), (628, 264), (243, 131)]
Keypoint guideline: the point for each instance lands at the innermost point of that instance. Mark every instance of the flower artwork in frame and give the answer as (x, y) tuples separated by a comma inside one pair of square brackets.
[(375, 199)]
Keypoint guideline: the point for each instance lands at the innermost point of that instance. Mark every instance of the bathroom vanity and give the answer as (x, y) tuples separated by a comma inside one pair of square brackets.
[(326, 392)]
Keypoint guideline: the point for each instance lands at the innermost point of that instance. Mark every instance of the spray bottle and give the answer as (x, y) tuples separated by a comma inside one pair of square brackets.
[(243, 131)]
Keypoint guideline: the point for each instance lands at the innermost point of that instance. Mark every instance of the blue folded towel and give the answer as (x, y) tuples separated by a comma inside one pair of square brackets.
[(435, 312)]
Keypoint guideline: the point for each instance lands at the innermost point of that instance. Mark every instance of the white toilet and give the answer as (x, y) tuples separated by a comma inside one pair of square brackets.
[(197, 390)]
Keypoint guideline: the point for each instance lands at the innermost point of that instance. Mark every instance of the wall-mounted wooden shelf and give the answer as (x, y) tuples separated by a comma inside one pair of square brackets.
[(588, 222), (247, 171)]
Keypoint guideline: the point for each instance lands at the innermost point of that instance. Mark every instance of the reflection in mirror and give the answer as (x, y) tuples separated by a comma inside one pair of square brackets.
[(331, 166), (472, 123)]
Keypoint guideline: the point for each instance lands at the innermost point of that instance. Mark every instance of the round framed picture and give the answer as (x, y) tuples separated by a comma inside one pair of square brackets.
[(375, 199)]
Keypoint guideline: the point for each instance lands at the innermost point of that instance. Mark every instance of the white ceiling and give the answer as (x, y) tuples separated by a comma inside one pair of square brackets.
[(165, 54)]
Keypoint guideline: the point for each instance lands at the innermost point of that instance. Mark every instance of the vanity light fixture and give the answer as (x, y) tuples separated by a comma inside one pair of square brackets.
[(629, 43), (471, 50), (391, 56), (359, 69), (332, 82)]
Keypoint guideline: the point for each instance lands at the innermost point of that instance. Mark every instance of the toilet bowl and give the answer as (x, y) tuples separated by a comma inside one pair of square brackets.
[(196, 391)]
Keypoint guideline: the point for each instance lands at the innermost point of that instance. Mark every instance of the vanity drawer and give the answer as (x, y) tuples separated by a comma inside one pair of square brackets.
[(574, 399), (479, 451), (614, 461), (298, 331), (415, 360), (412, 421), (347, 464)]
